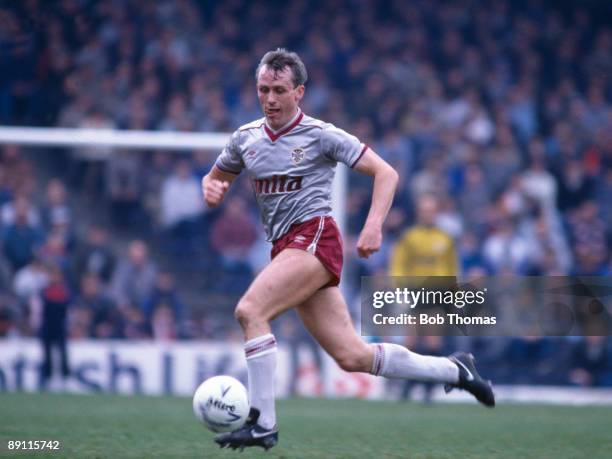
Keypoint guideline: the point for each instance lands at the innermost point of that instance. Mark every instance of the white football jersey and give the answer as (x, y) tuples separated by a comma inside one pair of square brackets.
[(291, 169)]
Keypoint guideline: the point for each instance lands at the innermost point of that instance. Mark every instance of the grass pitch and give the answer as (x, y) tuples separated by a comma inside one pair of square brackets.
[(138, 427)]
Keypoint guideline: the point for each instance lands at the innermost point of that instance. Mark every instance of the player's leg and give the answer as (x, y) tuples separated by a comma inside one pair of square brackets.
[(326, 316), (292, 277)]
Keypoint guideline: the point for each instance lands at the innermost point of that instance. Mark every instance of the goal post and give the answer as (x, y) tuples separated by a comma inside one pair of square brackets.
[(151, 140)]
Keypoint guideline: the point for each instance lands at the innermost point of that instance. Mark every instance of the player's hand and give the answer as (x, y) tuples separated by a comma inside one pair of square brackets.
[(214, 191), (369, 241)]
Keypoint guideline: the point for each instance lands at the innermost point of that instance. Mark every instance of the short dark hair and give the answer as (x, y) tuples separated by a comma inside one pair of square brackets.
[(279, 59)]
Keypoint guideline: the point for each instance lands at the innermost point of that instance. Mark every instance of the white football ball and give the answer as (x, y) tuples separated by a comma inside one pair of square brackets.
[(221, 403)]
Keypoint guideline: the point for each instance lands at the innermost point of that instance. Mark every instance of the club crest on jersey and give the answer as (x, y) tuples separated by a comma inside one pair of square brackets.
[(297, 155)]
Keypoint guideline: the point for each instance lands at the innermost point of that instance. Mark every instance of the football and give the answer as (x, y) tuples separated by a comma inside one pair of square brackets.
[(221, 403)]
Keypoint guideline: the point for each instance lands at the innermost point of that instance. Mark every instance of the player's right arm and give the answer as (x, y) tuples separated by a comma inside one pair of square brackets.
[(215, 184), (225, 170)]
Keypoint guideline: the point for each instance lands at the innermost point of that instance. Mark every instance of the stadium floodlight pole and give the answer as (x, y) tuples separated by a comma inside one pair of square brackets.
[(151, 140)]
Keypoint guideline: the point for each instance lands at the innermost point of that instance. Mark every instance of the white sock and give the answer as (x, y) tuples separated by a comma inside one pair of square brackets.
[(261, 365), (395, 361)]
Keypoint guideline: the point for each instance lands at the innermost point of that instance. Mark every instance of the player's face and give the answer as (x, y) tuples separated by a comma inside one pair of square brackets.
[(427, 210), (278, 97)]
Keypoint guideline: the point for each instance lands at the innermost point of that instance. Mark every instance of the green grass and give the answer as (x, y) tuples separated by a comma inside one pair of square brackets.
[(143, 427)]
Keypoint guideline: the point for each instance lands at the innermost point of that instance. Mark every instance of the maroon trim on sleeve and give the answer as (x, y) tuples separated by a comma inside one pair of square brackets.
[(222, 169), (365, 147), (274, 137)]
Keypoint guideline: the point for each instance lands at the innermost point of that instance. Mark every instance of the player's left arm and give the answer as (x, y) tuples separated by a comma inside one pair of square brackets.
[(385, 184)]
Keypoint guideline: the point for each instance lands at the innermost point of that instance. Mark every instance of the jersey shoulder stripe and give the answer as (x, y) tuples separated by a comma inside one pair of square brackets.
[(309, 121), (252, 125)]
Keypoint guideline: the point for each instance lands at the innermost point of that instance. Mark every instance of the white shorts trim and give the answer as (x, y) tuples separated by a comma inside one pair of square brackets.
[(312, 248)]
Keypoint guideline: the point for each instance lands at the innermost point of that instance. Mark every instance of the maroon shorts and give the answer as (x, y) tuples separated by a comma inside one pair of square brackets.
[(319, 236)]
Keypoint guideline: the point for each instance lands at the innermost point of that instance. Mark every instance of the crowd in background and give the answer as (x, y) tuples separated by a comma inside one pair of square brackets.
[(47, 264), (504, 112)]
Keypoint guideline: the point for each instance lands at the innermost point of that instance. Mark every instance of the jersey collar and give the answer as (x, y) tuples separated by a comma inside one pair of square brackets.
[(274, 135)]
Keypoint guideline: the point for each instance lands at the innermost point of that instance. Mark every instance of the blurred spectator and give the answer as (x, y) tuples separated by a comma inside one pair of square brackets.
[(57, 215), (449, 219), (590, 364), (575, 186), (470, 255), (177, 117), (5, 321), (134, 277), (54, 252), (135, 324), (502, 160), (430, 179), (203, 160), (74, 112), (123, 182), (20, 237), (155, 175), (424, 249), (31, 279), (79, 323), (475, 198), (21, 204), (19, 176), (232, 236), (8, 322), (54, 335), (164, 293), (549, 254), (95, 256), (104, 318), (56, 210), (506, 250), (234, 233), (163, 323), (181, 207), (603, 197), (6, 194), (589, 240), (531, 359), (539, 184)]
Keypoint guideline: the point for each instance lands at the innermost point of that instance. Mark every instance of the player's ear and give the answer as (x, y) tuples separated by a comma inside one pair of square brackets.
[(299, 92)]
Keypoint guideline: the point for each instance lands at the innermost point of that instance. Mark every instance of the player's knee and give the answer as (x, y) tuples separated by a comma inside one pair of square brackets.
[(246, 313), (353, 361), (243, 314)]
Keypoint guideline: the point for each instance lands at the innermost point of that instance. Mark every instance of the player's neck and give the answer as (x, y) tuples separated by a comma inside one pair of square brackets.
[(288, 123)]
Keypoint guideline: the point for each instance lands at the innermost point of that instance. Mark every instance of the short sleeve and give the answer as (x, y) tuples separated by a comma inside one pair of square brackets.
[(230, 159), (341, 146)]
